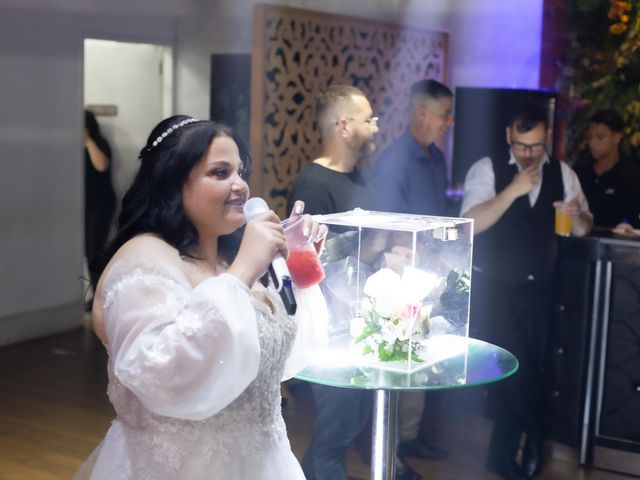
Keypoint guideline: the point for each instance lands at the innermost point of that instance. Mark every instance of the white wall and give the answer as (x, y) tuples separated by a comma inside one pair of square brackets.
[(131, 76), (41, 189)]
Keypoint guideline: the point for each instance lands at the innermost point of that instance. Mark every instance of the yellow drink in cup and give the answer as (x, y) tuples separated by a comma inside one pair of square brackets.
[(563, 220)]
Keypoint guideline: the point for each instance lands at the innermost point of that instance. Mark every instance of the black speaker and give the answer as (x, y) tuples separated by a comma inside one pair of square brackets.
[(481, 116)]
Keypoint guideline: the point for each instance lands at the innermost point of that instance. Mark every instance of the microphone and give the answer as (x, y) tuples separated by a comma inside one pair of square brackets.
[(278, 270)]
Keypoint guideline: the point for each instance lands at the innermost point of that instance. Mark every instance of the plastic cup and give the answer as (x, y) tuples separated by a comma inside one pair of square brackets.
[(303, 262), (563, 220)]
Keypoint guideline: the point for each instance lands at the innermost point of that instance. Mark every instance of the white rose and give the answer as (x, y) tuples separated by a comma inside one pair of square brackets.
[(385, 282), (416, 284), (388, 306)]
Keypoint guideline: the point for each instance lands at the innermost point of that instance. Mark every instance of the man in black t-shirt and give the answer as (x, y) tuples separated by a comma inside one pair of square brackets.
[(336, 182), (610, 182)]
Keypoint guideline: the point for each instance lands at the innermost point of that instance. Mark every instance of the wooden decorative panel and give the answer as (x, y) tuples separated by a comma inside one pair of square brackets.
[(297, 53)]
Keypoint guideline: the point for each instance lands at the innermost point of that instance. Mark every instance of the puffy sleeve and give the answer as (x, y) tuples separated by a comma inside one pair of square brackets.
[(184, 352), (312, 334)]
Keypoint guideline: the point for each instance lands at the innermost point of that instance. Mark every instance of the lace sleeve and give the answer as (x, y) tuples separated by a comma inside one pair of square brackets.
[(184, 352)]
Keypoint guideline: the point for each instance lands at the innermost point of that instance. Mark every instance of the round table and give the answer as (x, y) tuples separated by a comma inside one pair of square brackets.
[(472, 363)]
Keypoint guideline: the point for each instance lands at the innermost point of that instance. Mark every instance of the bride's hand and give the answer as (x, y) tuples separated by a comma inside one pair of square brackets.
[(315, 232), (263, 238)]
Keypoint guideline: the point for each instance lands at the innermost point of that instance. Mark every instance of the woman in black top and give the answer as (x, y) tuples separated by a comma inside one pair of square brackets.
[(99, 197)]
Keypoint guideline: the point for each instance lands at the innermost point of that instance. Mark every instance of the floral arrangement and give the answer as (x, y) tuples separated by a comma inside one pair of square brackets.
[(601, 68), (393, 318)]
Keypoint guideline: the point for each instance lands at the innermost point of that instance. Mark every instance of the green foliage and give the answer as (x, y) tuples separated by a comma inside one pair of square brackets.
[(396, 352), (602, 67), (458, 282), (370, 328)]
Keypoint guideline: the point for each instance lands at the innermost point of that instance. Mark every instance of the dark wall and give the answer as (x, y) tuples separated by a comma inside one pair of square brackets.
[(231, 91), (481, 116)]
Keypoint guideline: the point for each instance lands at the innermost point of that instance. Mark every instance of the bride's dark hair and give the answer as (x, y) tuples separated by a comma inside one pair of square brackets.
[(153, 203)]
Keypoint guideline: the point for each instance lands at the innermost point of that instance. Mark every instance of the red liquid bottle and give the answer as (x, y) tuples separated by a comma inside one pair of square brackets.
[(305, 268)]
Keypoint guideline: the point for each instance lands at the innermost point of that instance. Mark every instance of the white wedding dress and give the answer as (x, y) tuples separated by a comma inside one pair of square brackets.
[(194, 377)]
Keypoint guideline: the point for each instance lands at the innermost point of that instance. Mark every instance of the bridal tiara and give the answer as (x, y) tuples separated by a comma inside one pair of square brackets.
[(172, 128)]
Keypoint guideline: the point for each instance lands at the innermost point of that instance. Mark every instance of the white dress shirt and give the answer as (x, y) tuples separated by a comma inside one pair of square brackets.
[(479, 184)]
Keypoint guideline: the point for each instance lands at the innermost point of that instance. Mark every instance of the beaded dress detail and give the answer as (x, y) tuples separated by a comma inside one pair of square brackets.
[(194, 377)]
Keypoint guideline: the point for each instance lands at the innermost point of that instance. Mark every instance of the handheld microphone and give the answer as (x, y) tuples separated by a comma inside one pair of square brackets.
[(278, 270)]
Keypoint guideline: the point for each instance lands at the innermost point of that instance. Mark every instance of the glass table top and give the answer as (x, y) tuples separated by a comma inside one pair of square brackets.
[(473, 362)]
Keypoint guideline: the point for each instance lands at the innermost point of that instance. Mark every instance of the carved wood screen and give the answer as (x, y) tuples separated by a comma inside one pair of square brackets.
[(297, 53)]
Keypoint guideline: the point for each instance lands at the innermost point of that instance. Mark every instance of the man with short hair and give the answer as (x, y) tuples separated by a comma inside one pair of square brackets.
[(511, 197), (336, 182), (610, 181), (411, 174), (411, 177)]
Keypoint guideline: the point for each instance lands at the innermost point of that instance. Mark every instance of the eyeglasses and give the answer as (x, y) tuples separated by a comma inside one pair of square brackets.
[(533, 148), (371, 121)]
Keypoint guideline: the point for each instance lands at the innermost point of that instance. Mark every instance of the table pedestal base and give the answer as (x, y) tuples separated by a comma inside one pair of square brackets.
[(383, 459), (472, 362)]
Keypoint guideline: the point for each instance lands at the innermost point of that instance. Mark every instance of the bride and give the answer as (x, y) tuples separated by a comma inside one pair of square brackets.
[(197, 344)]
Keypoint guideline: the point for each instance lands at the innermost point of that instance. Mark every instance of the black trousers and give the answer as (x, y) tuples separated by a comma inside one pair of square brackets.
[(97, 222), (518, 318)]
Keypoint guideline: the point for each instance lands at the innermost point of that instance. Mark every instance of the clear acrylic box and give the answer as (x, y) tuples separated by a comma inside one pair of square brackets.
[(397, 289)]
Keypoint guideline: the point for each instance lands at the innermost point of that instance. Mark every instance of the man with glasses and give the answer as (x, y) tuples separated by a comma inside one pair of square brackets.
[(511, 196), (336, 182)]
